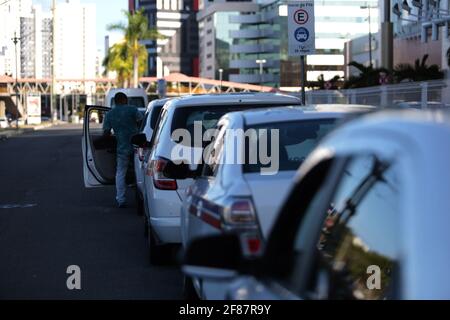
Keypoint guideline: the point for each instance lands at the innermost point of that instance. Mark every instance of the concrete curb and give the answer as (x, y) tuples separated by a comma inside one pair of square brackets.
[(9, 133)]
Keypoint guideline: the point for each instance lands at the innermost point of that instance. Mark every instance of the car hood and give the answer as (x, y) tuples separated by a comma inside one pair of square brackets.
[(268, 194)]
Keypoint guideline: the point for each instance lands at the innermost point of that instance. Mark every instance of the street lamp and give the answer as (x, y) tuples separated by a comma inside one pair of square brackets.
[(221, 78), (261, 63), (15, 41), (368, 7)]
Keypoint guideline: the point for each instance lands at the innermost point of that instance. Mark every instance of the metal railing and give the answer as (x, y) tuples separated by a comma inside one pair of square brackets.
[(433, 93)]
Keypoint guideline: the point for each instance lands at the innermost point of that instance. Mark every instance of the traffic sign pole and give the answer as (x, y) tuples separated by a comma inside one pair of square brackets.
[(303, 78), (301, 35)]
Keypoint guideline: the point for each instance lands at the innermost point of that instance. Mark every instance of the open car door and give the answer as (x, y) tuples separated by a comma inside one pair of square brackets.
[(99, 152)]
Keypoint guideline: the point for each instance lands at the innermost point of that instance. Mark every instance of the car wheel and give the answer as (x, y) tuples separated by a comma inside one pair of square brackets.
[(189, 292), (139, 203), (158, 254)]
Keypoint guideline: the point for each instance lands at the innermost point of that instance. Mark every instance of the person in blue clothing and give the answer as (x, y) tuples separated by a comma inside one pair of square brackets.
[(123, 120)]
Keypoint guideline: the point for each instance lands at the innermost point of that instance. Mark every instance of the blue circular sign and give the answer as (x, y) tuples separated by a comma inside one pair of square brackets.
[(301, 34)]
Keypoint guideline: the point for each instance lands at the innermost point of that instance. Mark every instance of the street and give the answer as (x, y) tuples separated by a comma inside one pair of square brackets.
[(49, 221)]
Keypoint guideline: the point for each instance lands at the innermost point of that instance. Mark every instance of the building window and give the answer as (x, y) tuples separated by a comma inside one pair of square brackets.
[(159, 4)]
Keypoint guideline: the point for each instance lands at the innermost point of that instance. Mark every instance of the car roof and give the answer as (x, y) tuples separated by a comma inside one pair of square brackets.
[(260, 116), (157, 103), (208, 100), (419, 126)]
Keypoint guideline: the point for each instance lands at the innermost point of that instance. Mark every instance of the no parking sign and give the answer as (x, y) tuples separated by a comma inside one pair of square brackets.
[(301, 32)]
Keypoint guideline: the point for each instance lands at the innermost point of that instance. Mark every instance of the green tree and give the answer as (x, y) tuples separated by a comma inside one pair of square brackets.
[(368, 76), (120, 61), (420, 71), (135, 30)]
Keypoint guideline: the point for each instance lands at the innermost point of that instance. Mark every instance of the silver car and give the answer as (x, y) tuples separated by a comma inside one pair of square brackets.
[(367, 218)]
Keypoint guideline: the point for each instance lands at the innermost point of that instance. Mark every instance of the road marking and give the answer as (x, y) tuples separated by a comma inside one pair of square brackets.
[(17, 206)]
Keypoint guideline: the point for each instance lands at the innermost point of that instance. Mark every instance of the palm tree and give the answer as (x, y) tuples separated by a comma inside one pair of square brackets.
[(419, 72), (368, 76), (134, 31), (119, 60)]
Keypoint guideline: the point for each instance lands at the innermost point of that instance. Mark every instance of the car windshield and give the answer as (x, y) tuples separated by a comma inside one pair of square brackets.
[(132, 101), (296, 140), (184, 118)]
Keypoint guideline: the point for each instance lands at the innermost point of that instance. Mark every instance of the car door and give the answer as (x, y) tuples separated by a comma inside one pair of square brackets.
[(99, 151)]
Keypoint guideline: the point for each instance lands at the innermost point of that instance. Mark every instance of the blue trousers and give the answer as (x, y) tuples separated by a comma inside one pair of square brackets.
[(121, 172)]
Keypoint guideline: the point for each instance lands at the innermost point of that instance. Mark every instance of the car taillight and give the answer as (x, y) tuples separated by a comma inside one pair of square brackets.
[(254, 245), (240, 212), (156, 169)]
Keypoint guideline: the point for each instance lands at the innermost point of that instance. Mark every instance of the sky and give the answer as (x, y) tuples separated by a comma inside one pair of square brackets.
[(108, 11)]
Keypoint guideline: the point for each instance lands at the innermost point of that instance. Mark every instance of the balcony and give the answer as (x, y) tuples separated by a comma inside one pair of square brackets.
[(246, 18), (253, 78), (253, 33), (245, 63), (254, 48)]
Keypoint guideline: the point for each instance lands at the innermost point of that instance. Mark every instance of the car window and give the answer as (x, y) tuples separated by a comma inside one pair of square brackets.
[(360, 232), (185, 117), (296, 139), (156, 110), (212, 162), (162, 120), (143, 122)]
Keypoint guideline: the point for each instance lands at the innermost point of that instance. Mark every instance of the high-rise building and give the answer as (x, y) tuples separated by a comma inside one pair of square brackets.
[(176, 20), (35, 44), (10, 13), (216, 36), (75, 52), (261, 34)]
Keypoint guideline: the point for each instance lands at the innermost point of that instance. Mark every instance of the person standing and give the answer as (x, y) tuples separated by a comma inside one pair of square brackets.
[(123, 120)]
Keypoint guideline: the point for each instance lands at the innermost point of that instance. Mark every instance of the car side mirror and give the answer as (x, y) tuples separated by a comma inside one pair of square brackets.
[(179, 171), (139, 140), (214, 257)]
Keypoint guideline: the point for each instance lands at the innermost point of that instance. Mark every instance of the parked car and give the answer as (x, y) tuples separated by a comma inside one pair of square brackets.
[(163, 196), (136, 97), (244, 197), (366, 218), (142, 153)]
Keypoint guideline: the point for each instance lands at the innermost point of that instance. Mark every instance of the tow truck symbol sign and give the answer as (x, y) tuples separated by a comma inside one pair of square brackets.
[(301, 34)]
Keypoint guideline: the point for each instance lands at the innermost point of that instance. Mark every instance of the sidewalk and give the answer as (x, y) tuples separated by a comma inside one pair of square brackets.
[(7, 133)]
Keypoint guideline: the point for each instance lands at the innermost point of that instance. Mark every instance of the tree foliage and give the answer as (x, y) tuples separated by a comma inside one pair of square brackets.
[(129, 57)]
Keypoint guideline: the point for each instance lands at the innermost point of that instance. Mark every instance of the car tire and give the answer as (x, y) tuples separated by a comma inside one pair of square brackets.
[(139, 203), (189, 292), (157, 253)]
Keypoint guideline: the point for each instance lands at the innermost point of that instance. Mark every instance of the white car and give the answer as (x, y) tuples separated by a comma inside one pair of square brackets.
[(163, 196), (366, 218), (143, 147), (242, 197)]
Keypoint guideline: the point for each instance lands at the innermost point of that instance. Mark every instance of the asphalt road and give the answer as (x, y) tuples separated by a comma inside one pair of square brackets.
[(49, 221)]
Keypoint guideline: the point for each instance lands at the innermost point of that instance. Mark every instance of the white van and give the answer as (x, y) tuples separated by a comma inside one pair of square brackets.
[(136, 97)]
